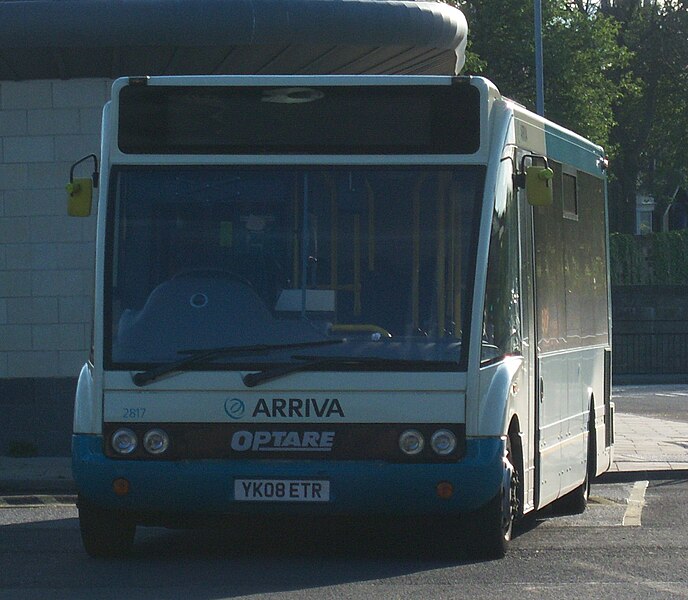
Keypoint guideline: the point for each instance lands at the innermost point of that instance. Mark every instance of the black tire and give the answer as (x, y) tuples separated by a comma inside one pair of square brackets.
[(105, 533), (575, 502), (490, 528)]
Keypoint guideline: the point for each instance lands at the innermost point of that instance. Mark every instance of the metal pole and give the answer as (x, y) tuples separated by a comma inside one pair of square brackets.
[(539, 79)]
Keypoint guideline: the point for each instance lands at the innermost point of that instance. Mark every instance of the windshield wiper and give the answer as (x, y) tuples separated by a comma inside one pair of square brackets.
[(146, 377), (313, 363)]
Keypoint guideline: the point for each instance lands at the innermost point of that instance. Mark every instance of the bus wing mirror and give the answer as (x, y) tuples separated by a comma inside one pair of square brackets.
[(539, 186), (80, 190), (79, 197)]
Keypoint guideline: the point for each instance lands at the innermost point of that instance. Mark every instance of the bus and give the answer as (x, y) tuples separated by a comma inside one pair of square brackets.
[(345, 296)]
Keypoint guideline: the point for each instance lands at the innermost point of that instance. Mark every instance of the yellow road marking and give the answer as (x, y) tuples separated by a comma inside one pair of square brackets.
[(636, 502)]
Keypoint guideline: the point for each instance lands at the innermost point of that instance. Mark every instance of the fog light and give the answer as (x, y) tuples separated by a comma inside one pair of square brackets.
[(445, 490), (411, 442), (156, 441), (120, 487), (443, 442), (124, 441)]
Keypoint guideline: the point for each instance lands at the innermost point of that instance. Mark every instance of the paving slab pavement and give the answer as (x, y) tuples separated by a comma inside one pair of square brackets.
[(645, 447), (40, 474)]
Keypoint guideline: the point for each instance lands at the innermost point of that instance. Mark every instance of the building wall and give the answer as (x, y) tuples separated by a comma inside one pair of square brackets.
[(46, 258)]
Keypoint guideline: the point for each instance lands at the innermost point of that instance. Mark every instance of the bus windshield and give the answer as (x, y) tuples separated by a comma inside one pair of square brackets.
[(283, 260)]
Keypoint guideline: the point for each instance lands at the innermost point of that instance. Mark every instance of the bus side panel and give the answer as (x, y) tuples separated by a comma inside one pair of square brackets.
[(553, 373), (571, 383), (572, 316), (586, 383)]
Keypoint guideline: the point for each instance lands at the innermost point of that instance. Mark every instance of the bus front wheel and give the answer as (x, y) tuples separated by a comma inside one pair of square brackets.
[(105, 533), (491, 526)]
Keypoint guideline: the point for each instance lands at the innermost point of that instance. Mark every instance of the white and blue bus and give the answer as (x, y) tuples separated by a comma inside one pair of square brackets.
[(341, 295)]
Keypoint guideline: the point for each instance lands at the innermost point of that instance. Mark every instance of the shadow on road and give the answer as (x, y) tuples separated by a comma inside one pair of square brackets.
[(221, 562)]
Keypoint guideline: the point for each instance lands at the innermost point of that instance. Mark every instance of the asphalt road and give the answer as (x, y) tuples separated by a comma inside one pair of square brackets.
[(658, 401), (593, 555)]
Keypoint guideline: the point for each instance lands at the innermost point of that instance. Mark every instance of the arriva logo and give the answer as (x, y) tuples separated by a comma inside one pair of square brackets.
[(298, 407), (235, 408)]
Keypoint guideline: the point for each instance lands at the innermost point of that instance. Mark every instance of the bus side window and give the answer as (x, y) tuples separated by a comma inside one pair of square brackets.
[(501, 324)]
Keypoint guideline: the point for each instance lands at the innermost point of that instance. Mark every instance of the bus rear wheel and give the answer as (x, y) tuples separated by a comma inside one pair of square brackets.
[(105, 533)]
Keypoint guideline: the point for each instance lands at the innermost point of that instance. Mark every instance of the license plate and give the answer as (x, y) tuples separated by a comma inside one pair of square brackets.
[(281, 490)]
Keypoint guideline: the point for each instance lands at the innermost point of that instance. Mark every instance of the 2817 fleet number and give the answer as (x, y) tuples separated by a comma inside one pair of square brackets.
[(134, 413)]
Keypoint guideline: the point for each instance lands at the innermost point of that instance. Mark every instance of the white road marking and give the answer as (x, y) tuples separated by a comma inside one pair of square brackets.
[(636, 502)]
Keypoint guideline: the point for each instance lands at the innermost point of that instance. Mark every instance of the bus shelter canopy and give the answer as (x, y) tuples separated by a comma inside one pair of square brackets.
[(65, 39)]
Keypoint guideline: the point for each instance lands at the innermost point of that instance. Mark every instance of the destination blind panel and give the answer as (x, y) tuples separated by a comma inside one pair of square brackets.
[(299, 120)]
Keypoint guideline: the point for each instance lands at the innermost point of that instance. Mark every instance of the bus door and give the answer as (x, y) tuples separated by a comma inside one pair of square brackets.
[(551, 362), (529, 351)]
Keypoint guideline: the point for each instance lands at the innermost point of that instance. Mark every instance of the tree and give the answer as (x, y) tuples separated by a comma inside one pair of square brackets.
[(580, 53), (614, 71), (500, 51), (652, 112)]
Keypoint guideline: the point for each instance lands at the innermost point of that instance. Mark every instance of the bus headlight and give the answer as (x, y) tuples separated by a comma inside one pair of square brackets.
[(124, 441), (156, 441), (411, 442), (443, 442)]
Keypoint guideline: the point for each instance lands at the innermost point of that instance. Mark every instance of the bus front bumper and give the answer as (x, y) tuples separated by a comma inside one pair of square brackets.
[(207, 487)]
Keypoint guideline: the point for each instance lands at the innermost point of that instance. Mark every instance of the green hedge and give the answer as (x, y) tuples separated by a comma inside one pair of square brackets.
[(656, 258)]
